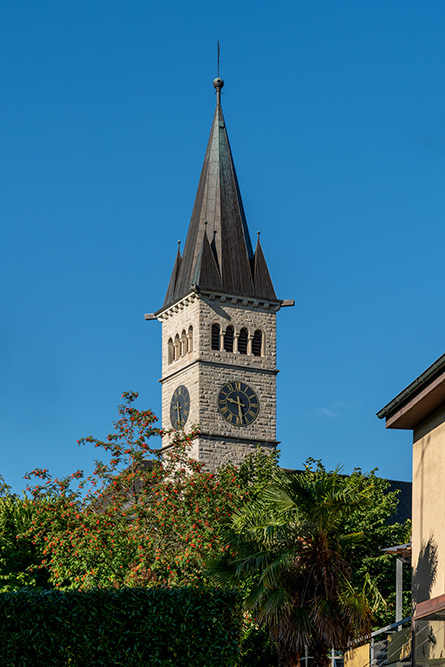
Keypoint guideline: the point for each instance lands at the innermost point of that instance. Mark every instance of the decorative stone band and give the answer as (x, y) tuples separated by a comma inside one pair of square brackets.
[(232, 439), (204, 362)]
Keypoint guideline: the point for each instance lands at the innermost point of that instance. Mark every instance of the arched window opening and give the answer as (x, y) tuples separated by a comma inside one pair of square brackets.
[(177, 347), (242, 341), (215, 336), (190, 339), (183, 343), (228, 339), (170, 351), (257, 343)]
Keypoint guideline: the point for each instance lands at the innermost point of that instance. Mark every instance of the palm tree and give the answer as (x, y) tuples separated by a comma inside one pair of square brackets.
[(289, 547)]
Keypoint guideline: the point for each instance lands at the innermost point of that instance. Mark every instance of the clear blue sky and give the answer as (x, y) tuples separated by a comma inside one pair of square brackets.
[(336, 116)]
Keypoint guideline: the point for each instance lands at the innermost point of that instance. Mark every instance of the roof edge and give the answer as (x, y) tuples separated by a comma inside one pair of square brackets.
[(195, 290), (415, 387)]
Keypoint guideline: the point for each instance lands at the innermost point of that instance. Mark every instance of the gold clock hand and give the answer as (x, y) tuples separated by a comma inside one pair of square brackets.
[(240, 405), (237, 402), (178, 410)]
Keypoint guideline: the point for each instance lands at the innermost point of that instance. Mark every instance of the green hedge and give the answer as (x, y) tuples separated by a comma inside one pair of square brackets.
[(129, 627)]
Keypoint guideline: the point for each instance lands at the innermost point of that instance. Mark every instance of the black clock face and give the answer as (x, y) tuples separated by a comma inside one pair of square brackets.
[(179, 407), (238, 403)]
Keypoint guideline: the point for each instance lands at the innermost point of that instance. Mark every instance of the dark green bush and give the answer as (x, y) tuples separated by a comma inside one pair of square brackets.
[(257, 649), (127, 627)]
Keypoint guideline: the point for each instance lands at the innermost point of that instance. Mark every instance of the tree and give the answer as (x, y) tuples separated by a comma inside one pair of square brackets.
[(18, 556), (140, 519), (290, 542), (375, 522)]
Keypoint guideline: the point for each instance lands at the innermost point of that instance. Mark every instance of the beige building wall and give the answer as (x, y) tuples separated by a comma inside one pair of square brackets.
[(357, 657), (428, 540), (429, 643)]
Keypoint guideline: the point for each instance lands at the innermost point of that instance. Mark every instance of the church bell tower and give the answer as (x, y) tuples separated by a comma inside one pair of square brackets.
[(219, 321)]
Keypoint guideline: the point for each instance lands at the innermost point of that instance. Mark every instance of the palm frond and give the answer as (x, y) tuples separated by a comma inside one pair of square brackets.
[(290, 544)]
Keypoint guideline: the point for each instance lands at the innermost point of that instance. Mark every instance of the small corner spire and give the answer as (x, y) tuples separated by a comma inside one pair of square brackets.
[(218, 83)]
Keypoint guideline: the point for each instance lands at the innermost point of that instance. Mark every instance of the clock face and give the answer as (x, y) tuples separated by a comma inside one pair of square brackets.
[(238, 403), (179, 407)]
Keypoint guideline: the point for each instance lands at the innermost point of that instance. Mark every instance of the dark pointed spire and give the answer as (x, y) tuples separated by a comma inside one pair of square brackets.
[(170, 295), (228, 263), (261, 275)]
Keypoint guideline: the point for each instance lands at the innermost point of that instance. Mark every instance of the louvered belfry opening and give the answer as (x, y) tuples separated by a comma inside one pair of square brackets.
[(228, 339), (256, 343), (242, 341), (215, 336)]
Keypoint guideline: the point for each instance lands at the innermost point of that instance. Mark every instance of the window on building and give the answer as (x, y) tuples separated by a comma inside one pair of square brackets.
[(170, 351), (228, 339), (215, 336), (242, 341), (177, 347), (190, 339), (184, 345), (257, 343)]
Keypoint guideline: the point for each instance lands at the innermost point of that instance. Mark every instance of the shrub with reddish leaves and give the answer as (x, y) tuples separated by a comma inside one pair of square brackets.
[(141, 519)]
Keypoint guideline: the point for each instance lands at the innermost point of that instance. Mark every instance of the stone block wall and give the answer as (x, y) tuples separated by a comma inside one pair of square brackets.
[(204, 371)]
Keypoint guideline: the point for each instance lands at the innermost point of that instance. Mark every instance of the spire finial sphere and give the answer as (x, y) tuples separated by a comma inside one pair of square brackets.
[(218, 84)]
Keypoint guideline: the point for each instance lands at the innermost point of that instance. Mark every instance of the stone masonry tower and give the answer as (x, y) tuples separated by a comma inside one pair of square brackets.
[(219, 321)]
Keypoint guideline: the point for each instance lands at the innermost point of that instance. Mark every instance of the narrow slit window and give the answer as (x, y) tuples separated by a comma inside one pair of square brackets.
[(184, 345), (257, 343), (242, 341), (215, 336), (190, 339), (228, 339), (171, 351), (177, 347)]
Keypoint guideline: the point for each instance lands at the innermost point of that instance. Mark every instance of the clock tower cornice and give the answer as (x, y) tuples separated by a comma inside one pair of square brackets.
[(168, 311)]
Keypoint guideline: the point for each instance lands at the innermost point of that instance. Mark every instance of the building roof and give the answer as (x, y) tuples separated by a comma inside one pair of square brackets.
[(418, 400), (218, 254), (401, 550)]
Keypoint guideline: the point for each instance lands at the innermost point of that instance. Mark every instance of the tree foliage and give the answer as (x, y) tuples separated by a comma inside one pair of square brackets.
[(298, 544), (140, 518), (379, 531), (143, 519), (18, 556)]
